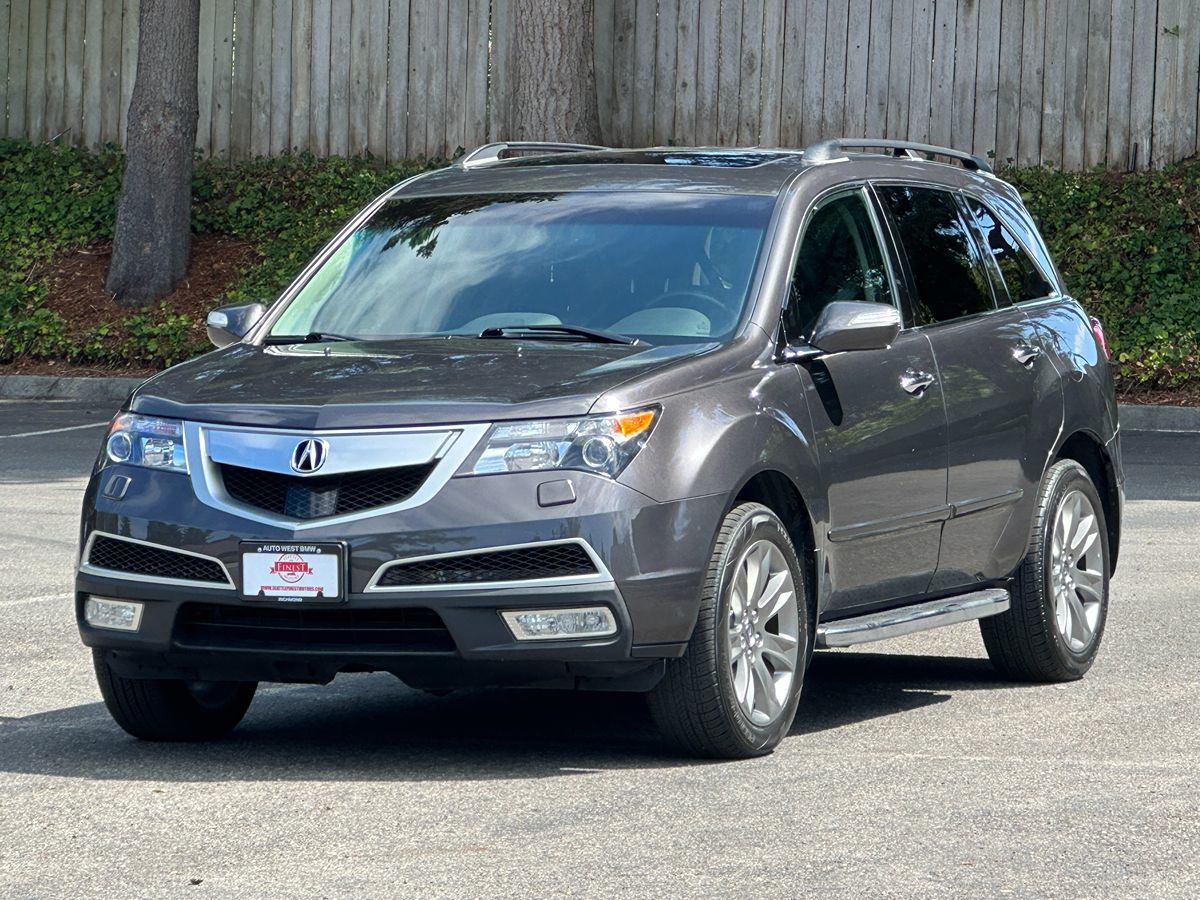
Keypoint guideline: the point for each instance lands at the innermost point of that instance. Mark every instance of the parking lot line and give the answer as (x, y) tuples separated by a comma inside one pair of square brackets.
[(26, 434)]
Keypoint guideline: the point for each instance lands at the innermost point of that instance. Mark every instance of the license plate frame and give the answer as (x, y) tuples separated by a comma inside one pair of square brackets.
[(293, 571)]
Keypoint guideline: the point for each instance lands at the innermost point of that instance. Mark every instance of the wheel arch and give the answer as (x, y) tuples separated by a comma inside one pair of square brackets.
[(1088, 450)]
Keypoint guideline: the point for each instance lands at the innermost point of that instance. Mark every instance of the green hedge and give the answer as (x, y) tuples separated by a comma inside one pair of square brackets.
[(1128, 246)]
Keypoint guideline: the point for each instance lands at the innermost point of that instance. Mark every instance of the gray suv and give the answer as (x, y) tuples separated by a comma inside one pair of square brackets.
[(658, 420)]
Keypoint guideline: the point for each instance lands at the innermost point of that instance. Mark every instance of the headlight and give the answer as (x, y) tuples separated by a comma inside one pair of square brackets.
[(601, 444), (146, 441)]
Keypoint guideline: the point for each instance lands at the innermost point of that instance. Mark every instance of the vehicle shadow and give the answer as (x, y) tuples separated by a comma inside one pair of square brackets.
[(370, 727)]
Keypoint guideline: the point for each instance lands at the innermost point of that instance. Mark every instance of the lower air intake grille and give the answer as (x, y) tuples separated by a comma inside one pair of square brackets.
[(520, 564), (331, 495), (156, 562), (212, 625)]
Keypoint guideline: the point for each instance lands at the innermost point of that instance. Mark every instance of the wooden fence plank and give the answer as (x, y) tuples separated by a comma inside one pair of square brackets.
[(1188, 68), (833, 106), (455, 118), (56, 68), (792, 93), (686, 55), (920, 78), (1033, 49), (987, 78), (729, 77), (74, 63), (129, 51), (812, 105), (420, 56), (397, 112), (1166, 82), (603, 15), (18, 66), (110, 87), (750, 73), (241, 107), (35, 89), (858, 36), (281, 77), (708, 47), (5, 24), (435, 134), (479, 32), (319, 77), (357, 99), (879, 67), (1095, 110), (339, 77), (941, 86), (645, 36), (966, 55), (93, 40), (260, 85), (205, 58), (498, 90), (1120, 86), (301, 81), (666, 72), (1075, 93), (772, 73), (222, 89), (1008, 86), (1053, 81), (377, 79)]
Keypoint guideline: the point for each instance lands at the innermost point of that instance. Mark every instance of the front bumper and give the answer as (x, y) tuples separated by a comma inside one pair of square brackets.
[(654, 556)]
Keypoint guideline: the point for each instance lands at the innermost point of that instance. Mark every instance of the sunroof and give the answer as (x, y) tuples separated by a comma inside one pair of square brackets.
[(717, 159)]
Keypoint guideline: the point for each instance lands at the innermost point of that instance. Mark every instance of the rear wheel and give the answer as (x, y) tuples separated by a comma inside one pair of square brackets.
[(734, 692), (1053, 629), (156, 709)]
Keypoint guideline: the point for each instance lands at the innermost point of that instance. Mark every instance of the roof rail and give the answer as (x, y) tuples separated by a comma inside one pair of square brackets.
[(498, 150), (826, 150)]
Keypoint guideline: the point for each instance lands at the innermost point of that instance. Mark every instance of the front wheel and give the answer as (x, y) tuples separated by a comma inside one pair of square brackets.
[(734, 692), (159, 709), (1053, 629)]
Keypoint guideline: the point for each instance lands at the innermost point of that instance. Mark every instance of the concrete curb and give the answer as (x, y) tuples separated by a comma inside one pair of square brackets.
[(1141, 417), (53, 387), (1134, 417)]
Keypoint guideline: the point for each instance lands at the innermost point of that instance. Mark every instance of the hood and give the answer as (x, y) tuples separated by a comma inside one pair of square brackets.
[(397, 383)]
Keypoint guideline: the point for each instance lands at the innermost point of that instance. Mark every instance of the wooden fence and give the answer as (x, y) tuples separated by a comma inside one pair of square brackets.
[(1073, 82)]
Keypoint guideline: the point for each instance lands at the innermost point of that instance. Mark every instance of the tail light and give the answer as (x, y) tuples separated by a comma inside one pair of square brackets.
[(1101, 340)]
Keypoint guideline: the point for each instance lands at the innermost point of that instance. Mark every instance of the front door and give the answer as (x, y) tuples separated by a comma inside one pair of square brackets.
[(878, 418)]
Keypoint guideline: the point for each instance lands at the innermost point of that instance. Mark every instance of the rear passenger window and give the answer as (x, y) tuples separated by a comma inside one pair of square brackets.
[(947, 272), (1023, 278), (839, 259)]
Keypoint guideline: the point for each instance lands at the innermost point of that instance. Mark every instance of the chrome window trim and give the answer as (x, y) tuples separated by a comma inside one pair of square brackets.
[(209, 488), (86, 567), (600, 576)]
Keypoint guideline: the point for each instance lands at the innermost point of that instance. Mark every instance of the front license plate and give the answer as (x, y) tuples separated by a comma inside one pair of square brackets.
[(292, 572)]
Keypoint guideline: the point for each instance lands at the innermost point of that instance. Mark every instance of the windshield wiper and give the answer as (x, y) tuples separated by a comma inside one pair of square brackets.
[(559, 332), (313, 337)]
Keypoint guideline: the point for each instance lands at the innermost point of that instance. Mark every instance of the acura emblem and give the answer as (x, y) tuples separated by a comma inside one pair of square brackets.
[(309, 455)]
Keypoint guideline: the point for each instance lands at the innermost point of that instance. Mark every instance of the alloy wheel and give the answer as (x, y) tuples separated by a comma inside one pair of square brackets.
[(763, 632), (1077, 571)]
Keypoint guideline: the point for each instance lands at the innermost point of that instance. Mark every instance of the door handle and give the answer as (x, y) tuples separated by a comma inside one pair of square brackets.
[(915, 382), (1026, 354)]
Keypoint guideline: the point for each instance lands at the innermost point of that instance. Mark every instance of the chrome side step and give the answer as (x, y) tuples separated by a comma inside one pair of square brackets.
[(908, 619)]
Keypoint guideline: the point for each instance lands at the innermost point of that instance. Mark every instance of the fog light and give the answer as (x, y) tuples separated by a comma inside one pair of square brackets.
[(547, 624), (118, 615)]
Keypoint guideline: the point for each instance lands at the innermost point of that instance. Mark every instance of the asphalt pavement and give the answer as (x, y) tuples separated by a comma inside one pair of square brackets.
[(912, 770)]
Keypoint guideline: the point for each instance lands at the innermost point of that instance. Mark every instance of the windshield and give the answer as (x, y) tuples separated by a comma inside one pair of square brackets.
[(663, 267)]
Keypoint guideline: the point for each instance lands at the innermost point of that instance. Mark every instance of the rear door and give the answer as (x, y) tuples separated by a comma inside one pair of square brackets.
[(995, 379), (878, 419)]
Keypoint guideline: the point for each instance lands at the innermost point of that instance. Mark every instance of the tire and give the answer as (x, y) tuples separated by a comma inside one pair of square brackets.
[(700, 704), (155, 709), (1031, 641)]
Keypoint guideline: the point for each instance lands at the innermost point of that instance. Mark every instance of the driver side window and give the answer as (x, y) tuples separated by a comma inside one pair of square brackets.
[(839, 259)]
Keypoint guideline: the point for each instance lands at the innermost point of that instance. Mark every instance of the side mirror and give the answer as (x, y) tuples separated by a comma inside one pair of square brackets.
[(851, 325), (229, 324)]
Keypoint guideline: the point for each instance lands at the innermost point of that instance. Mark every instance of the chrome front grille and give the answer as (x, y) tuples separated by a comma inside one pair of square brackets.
[(322, 497), (136, 558)]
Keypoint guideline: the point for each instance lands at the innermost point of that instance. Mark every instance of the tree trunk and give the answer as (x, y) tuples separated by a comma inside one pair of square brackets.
[(553, 93), (153, 235)]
